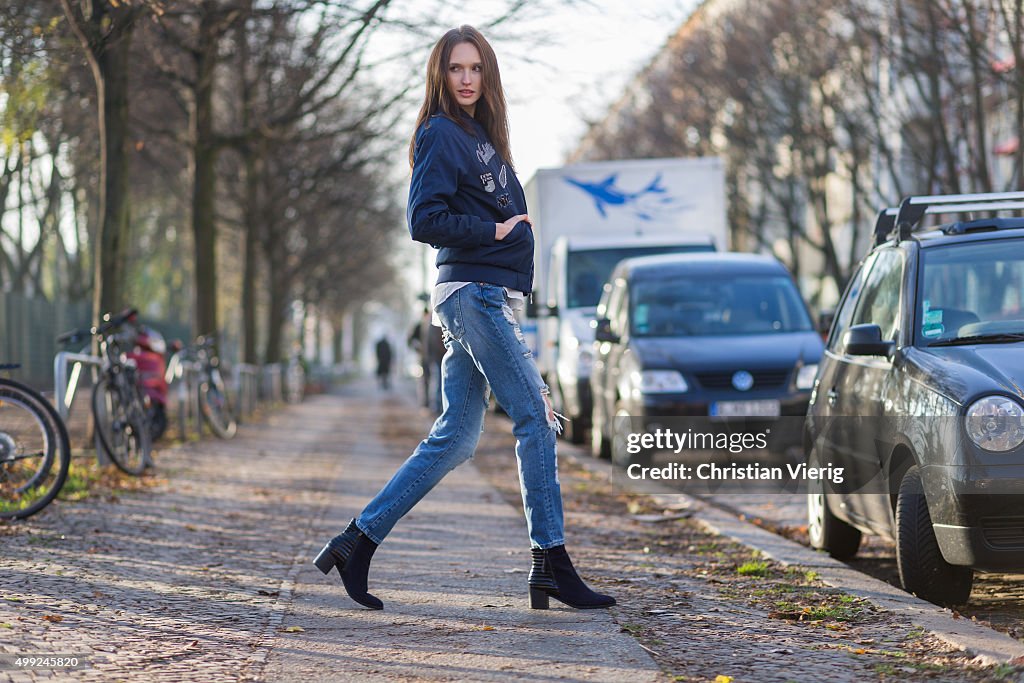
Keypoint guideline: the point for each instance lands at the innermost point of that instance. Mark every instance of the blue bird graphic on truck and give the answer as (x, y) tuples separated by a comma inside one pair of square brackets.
[(645, 204)]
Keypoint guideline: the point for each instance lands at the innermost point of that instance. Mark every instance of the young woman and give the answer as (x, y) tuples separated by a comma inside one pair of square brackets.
[(465, 200)]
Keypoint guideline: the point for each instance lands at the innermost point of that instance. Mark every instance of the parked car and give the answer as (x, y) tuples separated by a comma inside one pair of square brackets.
[(920, 394), (721, 335)]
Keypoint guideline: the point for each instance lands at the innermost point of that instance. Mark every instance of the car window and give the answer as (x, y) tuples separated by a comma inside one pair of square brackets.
[(717, 304), (971, 289), (849, 303), (587, 269), (880, 300)]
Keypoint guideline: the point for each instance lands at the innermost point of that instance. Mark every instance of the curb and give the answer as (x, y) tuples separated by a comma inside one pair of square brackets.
[(987, 646)]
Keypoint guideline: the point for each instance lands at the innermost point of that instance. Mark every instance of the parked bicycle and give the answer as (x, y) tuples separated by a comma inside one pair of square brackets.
[(35, 452), (214, 402), (118, 407)]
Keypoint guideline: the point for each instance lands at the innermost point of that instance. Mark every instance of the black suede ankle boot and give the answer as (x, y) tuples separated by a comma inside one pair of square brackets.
[(553, 575), (350, 552)]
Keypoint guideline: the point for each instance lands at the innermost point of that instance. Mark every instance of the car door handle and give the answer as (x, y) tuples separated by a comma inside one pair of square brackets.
[(833, 396)]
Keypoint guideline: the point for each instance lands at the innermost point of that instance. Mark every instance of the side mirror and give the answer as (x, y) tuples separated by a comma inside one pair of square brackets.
[(866, 340), (603, 331)]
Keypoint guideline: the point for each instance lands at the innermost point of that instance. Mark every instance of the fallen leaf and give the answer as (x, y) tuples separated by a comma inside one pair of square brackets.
[(789, 614), (272, 594), (487, 628), (190, 527), (723, 679), (859, 651), (6, 625), (294, 629), (54, 618)]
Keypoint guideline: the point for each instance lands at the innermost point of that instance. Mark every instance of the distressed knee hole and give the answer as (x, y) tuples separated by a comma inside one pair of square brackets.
[(510, 316)]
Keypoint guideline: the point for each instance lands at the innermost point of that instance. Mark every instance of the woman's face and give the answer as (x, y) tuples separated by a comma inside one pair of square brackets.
[(465, 79)]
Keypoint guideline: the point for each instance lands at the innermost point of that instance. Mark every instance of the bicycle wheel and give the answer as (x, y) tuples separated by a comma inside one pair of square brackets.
[(121, 427), (216, 407), (35, 451)]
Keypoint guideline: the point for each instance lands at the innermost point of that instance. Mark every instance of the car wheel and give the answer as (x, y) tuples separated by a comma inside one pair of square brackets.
[(620, 447), (923, 570), (826, 531)]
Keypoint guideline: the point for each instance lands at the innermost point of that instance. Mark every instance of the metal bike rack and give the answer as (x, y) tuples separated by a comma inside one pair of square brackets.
[(184, 376), (246, 381), (271, 389), (64, 388)]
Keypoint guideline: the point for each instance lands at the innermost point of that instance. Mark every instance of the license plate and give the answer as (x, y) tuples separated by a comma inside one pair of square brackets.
[(763, 408)]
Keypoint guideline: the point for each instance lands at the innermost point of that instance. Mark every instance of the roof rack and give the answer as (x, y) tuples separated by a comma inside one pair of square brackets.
[(912, 209)]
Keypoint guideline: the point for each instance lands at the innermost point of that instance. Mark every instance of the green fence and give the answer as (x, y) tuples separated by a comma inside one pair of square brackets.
[(29, 328)]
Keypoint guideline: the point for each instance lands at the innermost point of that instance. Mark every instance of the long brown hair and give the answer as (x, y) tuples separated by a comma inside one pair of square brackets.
[(491, 111)]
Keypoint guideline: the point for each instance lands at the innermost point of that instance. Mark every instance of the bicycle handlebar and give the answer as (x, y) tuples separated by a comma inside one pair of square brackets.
[(109, 323)]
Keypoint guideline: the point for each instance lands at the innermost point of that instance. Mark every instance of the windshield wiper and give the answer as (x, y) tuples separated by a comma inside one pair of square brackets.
[(981, 339)]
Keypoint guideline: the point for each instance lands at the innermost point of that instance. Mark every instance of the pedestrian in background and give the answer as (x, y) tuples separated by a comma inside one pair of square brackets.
[(466, 201), (384, 363), (428, 342)]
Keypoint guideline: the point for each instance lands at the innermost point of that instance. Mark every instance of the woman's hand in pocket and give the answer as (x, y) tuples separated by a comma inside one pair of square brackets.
[(501, 230)]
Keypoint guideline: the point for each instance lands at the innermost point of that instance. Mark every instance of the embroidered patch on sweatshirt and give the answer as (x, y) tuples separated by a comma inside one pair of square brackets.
[(484, 152)]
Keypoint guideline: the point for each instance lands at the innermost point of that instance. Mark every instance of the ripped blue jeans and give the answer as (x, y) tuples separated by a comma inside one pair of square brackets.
[(485, 347)]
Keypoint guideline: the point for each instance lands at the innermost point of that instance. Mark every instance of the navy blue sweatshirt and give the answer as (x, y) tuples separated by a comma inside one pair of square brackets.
[(460, 188)]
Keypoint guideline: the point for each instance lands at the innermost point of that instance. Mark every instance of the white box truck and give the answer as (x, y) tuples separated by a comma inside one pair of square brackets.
[(587, 218)]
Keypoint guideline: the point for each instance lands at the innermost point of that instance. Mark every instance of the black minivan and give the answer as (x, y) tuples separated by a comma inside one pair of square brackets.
[(719, 335)]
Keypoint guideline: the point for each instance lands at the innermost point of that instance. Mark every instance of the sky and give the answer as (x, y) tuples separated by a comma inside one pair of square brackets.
[(599, 50)]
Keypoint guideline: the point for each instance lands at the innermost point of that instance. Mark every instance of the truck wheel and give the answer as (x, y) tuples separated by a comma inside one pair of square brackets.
[(923, 570), (826, 531), (620, 447)]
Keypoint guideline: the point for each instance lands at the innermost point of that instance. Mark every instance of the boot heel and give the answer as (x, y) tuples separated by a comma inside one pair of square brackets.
[(538, 599), (325, 560)]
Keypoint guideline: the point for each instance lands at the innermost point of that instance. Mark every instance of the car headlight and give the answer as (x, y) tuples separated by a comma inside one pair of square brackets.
[(805, 376), (996, 423), (660, 382)]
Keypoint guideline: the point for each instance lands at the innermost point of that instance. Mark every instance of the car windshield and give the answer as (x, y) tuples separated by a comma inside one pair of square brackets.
[(589, 269), (971, 293), (724, 305)]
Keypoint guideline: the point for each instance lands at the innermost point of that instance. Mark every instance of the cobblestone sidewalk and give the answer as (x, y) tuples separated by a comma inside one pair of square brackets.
[(182, 582), (209, 576)]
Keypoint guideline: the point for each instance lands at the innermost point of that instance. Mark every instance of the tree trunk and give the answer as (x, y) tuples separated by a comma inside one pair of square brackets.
[(105, 35), (204, 158), (276, 314), (251, 264), (113, 252)]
